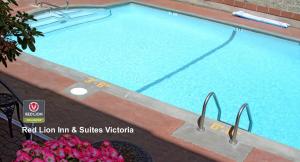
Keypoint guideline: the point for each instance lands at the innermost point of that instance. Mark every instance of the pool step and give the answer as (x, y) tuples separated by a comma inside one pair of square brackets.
[(84, 13), (54, 20), (46, 18), (45, 21)]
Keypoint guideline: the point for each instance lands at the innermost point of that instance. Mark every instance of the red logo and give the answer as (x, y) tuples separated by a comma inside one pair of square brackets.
[(33, 106)]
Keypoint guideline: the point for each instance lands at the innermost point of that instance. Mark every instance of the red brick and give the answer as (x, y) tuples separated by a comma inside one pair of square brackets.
[(239, 4), (286, 14), (217, 1), (260, 155), (250, 6), (296, 16), (37, 76), (263, 9), (229, 2), (274, 11)]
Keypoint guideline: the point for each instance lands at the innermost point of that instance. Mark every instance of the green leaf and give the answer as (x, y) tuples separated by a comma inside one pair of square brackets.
[(2, 22), (16, 34), (19, 40), (31, 46), (3, 62), (24, 44)]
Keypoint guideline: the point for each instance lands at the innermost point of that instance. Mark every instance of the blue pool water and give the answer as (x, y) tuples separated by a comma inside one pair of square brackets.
[(180, 59)]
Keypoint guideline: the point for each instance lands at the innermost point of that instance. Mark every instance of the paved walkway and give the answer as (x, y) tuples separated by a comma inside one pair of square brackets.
[(8, 145)]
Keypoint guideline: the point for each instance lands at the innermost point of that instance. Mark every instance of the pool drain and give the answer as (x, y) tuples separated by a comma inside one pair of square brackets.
[(78, 91)]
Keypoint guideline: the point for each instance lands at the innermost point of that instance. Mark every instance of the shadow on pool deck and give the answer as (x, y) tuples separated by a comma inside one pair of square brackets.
[(65, 112)]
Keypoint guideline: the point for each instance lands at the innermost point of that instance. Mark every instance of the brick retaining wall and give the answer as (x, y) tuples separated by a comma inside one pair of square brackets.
[(285, 5), (251, 5)]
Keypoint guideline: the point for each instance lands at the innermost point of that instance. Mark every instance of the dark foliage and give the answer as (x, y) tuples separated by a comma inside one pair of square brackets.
[(15, 33)]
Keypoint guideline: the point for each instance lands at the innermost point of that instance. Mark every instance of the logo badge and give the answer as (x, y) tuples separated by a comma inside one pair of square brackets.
[(33, 106), (33, 111)]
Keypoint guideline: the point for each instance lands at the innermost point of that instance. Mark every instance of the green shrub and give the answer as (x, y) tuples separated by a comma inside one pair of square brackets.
[(15, 33)]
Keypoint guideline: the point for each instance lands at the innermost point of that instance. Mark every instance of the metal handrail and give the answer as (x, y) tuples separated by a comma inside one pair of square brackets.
[(233, 139), (50, 4), (53, 5), (67, 4), (202, 117)]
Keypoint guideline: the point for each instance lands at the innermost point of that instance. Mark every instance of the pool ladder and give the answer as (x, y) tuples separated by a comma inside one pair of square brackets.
[(233, 131)]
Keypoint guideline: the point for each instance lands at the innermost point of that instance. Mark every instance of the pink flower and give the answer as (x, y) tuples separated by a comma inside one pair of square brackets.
[(54, 146), (49, 143), (120, 159), (46, 151), (38, 152), (26, 149), (89, 151), (94, 152), (19, 152), (86, 144), (29, 143), (104, 158), (91, 160), (66, 136), (104, 151), (76, 140), (23, 157), (76, 153), (49, 157), (105, 143), (29, 148), (62, 143), (70, 144), (114, 154), (37, 160), (83, 159), (65, 148), (60, 153)]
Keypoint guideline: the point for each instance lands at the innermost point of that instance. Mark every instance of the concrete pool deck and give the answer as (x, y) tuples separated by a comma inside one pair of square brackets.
[(161, 120), (161, 134)]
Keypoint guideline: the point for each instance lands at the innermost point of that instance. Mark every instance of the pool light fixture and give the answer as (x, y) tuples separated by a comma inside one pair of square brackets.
[(78, 91)]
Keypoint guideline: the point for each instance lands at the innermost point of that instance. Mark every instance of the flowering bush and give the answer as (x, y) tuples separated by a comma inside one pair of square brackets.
[(67, 148)]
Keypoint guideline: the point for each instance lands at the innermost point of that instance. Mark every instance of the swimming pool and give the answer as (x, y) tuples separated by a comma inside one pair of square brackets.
[(179, 59)]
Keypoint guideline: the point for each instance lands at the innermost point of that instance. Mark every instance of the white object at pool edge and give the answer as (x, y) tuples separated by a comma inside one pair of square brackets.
[(78, 91), (260, 19)]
